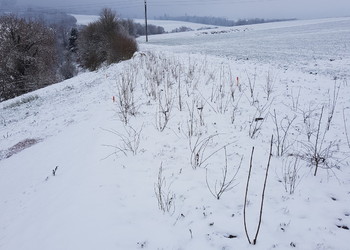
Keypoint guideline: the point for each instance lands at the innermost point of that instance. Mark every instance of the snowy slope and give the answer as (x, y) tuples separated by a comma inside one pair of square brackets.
[(103, 193)]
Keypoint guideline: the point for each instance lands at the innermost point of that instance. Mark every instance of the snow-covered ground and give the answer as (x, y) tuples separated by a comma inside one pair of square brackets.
[(81, 171)]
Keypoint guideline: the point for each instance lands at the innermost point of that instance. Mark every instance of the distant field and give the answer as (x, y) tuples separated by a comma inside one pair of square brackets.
[(167, 25), (313, 46), (85, 19), (171, 25)]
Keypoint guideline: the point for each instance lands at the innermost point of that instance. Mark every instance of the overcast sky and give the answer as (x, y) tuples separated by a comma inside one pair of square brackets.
[(232, 9)]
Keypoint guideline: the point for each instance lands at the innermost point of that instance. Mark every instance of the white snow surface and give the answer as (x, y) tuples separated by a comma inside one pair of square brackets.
[(79, 187)]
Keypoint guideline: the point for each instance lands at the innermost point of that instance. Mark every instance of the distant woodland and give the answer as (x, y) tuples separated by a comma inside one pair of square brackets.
[(219, 21)]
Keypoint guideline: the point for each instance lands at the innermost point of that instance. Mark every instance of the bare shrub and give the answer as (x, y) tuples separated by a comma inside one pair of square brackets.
[(179, 90), (282, 128), (198, 148), (221, 96), (256, 123), (165, 106), (295, 100), (129, 140), (251, 84), (290, 174), (165, 197), (90, 47), (332, 102), (126, 95), (68, 69), (191, 122), (235, 105), (321, 155), (195, 117), (259, 117), (317, 151), (122, 47), (105, 40), (269, 84), (226, 183)]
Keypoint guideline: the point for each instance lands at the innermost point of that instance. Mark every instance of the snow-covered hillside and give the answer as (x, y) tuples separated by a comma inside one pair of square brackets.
[(155, 152)]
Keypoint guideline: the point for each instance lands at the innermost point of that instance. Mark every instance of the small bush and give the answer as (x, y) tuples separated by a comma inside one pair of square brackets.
[(105, 40), (181, 29), (68, 70)]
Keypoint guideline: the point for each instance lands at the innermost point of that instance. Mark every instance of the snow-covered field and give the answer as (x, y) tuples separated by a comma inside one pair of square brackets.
[(136, 155), (168, 25), (85, 19), (311, 46)]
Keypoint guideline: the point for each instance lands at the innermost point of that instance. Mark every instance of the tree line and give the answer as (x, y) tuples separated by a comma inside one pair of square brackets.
[(219, 21)]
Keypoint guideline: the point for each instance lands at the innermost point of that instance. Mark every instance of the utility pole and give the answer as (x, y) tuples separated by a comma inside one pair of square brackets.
[(146, 20)]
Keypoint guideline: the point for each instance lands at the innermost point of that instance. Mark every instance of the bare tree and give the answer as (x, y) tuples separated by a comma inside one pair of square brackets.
[(28, 56)]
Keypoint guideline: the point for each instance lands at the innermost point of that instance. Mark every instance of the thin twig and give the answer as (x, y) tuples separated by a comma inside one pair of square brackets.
[(346, 130), (316, 154), (263, 193), (245, 197)]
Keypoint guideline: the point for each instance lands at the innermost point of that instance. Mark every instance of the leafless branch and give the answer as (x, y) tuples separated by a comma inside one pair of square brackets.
[(346, 130), (332, 104), (262, 195), (282, 128), (225, 184)]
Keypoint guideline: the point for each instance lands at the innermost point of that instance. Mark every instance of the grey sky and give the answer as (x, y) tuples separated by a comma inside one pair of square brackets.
[(232, 9)]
